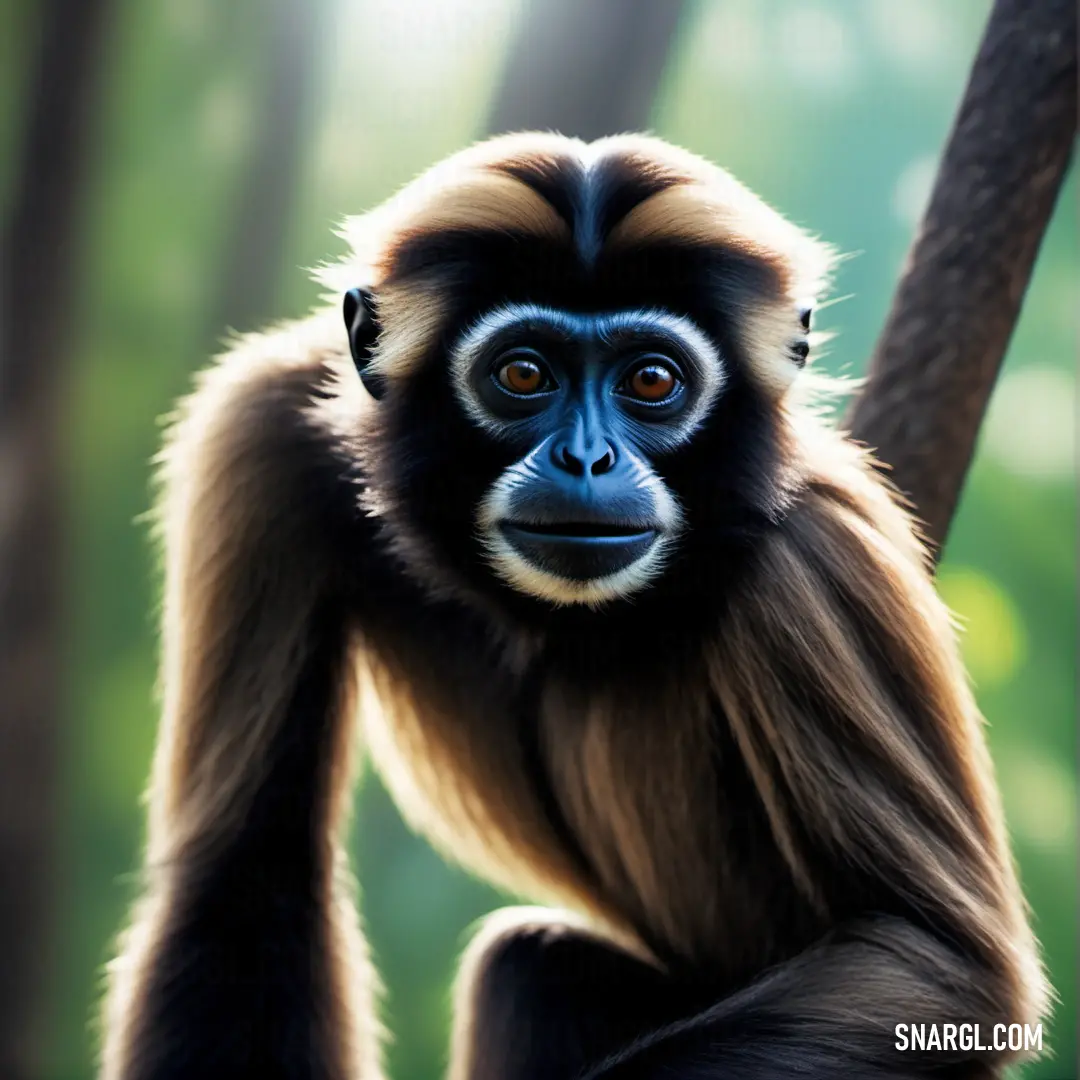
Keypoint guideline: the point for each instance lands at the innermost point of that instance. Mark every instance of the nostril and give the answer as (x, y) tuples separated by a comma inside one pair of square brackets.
[(569, 461), (604, 463)]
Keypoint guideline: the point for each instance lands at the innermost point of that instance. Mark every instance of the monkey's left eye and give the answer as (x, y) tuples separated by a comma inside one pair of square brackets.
[(523, 372), (653, 381)]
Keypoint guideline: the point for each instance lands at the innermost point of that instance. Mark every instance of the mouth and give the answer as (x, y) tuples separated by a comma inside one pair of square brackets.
[(580, 550), (583, 531)]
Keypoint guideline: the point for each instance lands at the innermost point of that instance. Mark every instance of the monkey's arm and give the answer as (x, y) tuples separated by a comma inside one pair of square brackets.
[(244, 958), (840, 678)]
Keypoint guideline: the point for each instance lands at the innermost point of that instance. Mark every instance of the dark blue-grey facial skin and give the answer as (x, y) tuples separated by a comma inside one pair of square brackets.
[(586, 401)]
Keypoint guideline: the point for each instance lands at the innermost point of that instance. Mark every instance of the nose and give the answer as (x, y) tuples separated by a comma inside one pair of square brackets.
[(576, 455)]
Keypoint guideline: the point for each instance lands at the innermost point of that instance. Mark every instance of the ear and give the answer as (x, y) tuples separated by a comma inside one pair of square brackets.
[(363, 327)]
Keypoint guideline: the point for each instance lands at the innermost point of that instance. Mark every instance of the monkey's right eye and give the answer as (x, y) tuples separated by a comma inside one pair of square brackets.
[(523, 372)]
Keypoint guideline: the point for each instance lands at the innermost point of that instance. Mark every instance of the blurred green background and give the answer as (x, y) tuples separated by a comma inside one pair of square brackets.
[(833, 110)]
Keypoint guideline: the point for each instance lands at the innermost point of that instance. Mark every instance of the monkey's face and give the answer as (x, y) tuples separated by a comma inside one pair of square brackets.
[(585, 403), (579, 354), (572, 457)]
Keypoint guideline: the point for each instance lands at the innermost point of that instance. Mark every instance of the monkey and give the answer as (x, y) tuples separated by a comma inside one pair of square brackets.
[(543, 510)]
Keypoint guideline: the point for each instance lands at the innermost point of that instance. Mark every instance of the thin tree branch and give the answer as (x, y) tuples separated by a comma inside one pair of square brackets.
[(586, 68), (954, 311)]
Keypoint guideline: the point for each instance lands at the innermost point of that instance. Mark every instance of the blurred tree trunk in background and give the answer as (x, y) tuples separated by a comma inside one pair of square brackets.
[(252, 266), (954, 312), (586, 69), (40, 289)]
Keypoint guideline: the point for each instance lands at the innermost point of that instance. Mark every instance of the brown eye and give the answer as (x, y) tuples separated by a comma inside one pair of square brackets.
[(653, 382), (522, 375)]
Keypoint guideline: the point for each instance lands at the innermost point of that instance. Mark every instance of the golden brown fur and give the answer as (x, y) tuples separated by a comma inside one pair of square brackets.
[(706, 204), (817, 748), (939, 807)]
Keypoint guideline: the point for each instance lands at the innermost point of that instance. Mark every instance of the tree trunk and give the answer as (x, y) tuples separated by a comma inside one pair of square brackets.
[(254, 255), (41, 254), (955, 308), (585, 68)]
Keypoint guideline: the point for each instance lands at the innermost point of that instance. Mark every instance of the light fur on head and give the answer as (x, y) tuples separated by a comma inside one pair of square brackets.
[(470, 190)]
